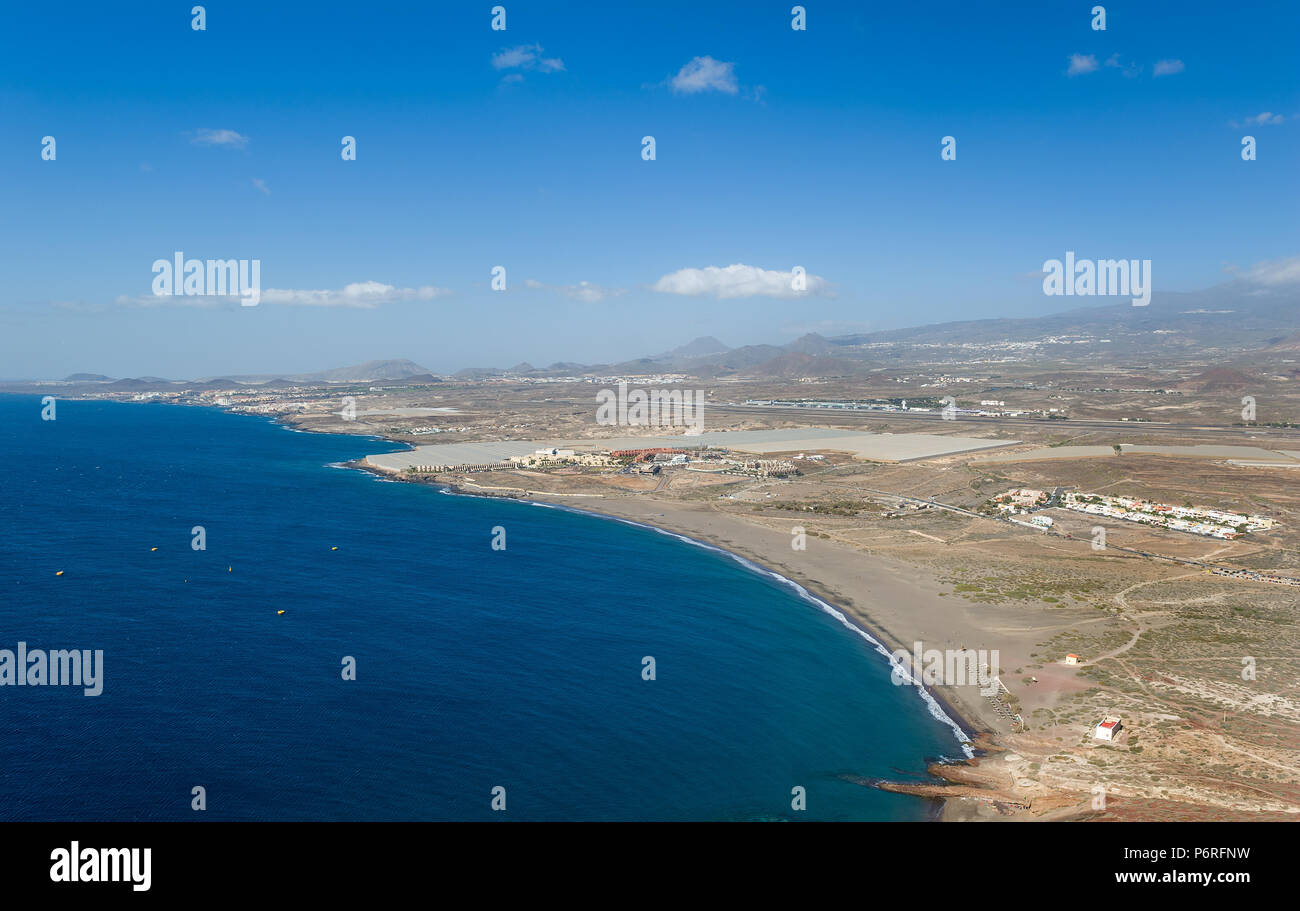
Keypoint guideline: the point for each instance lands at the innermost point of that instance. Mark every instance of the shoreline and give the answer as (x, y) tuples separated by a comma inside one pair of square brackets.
[(980, 737), (891, 589), (832, 597), (876, 638)]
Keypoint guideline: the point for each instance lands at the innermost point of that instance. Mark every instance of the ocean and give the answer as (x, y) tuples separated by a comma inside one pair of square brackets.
[(476, 669)]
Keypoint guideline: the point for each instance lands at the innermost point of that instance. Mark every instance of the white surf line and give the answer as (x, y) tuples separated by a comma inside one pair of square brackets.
[(904, 672)]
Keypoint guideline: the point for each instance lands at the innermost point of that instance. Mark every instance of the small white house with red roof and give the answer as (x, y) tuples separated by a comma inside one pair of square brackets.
[(1108, 728)]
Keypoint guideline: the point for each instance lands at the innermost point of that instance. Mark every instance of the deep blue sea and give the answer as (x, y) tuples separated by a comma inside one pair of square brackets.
[(475, 668)]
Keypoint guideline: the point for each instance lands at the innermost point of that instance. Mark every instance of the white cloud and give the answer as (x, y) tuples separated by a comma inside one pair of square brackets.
[(590, 293), (737, 280), (362, 295), (1274, 272), (1081, 63), (1266, 118), (704, 74), (1129, 69), (176, 300), (586, 292), (525, 57), (261, 185), (358, 295), (228, 138), (513, 57)]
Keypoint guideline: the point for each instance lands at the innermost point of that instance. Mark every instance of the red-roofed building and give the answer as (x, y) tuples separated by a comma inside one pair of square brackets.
[(1108, 728)]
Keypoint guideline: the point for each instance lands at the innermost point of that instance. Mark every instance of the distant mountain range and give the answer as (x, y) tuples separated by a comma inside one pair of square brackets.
[(1213, 325), (1225, 321), (369, 372)]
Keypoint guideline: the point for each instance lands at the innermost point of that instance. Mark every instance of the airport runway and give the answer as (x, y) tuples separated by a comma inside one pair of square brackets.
[(1278, 437)]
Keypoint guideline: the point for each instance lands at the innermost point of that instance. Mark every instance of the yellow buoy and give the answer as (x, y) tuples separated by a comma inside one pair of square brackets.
[(333, 548), (279, 612), (230, 569)]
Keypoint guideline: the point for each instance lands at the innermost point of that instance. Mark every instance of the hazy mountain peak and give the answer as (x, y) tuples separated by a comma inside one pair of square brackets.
[(700, 347), (811, 343), (369, 371)]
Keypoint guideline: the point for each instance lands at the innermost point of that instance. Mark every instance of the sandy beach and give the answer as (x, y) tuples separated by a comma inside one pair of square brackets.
[(889, 599), (969, 588), (896, 603)]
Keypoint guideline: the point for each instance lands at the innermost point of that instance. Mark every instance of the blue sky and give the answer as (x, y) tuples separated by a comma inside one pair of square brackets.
[(522, 148)]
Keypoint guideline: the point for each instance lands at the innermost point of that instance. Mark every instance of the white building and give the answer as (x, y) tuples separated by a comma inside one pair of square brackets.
[(1108, 728)]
